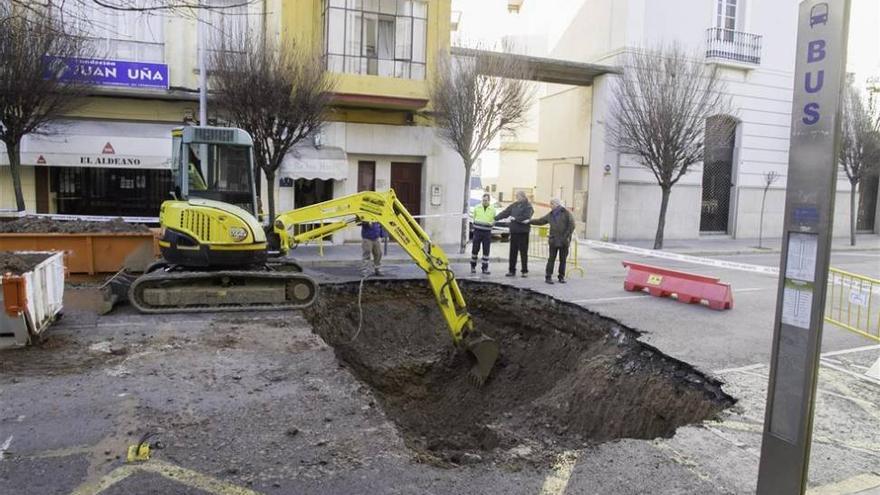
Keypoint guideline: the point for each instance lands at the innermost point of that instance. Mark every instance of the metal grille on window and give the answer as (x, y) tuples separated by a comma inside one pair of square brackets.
[(376, 37)]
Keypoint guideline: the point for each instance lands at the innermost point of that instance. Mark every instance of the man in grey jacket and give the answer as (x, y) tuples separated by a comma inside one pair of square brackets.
[(561, 228), (520, 213)]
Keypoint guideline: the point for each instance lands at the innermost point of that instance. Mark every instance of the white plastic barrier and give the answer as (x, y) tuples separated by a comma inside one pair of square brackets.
[(44, 293)]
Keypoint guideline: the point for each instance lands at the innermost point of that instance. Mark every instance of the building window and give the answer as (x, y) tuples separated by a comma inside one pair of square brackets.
[(130, 35), (377, 37), (226, 22), (725, 18), (726, 15)]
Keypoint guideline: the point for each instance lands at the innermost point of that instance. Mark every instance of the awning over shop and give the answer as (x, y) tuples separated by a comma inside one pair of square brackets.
[(308, 162), (103, 144)]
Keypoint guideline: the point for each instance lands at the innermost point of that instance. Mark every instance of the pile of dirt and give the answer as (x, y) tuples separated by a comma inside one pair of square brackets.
[(42, 225), (18, 263), (566, 378)]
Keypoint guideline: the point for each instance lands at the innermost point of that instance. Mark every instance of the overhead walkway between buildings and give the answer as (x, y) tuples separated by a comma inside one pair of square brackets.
[(542, 69)]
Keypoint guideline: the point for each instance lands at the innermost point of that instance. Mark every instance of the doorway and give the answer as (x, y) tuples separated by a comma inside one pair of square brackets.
[(366, 176), (867, 203), (406, 180), (307, 192), (717, 174)]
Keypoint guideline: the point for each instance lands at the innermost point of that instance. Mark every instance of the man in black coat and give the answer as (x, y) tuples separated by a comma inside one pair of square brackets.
[(520, 213), (561, 228)]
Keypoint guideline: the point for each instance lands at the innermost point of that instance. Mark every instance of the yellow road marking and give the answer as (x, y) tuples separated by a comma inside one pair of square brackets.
[(106, 481), (181, 475), (855, 484), (557, 481), (194, 479)]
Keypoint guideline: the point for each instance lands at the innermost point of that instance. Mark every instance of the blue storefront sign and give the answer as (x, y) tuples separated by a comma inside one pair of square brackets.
[(116, 73)]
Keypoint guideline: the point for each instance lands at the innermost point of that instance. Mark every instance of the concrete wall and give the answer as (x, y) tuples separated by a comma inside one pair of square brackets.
[(595, 29), (518, 168), (841, 213), (639, 210), (749, 214), (564, 142)]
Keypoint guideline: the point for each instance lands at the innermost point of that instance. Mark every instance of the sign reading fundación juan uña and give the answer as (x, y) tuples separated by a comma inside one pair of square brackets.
[(806, 245), (116, 73)]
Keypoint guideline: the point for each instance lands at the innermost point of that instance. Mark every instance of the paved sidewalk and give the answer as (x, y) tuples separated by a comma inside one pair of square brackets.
[(725, 245)]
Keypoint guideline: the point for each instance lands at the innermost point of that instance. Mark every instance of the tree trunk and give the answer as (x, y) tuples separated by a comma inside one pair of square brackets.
[(270, 196), (258, 183), (464, 208), (852, 212), (761, 224), (661, 222), (12, 152)]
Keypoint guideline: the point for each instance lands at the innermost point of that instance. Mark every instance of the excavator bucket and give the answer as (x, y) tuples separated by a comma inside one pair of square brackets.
[(484, 349)]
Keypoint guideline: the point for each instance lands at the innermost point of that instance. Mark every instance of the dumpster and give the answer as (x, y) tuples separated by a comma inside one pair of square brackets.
[(31, 293), (91, 253)]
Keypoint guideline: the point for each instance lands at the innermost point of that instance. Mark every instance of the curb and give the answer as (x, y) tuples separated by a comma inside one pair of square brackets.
[(736, 252), (748, 250)]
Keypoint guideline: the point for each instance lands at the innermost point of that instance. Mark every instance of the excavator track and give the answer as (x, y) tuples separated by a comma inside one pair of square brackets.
[(232, 290)]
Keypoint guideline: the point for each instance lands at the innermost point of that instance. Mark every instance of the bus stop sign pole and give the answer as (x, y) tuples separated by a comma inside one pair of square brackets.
[(806, 245)]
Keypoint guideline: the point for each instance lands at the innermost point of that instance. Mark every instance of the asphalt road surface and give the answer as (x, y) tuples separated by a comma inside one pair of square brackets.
[(256, 403)]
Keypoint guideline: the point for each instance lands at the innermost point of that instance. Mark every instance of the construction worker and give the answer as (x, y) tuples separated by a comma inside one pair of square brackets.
[(520, 213), (371, 246), (561, 228), (482, 219)]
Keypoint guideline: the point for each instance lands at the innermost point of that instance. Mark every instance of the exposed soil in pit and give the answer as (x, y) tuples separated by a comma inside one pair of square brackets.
[(42, 225), (566, 378), (18, 263)]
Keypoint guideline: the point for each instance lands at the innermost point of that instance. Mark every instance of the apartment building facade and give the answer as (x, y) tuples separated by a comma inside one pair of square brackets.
[(112, 155), (752, 44), (383, 56)]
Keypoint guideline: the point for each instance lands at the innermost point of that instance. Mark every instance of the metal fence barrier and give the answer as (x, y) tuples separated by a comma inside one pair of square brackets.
[(539, 248), (853, 303)]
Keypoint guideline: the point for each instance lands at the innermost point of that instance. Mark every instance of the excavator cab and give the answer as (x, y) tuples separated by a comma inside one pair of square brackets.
[(214, 163)]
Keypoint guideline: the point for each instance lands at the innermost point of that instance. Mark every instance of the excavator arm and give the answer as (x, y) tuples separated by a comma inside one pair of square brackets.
[(387, 210)]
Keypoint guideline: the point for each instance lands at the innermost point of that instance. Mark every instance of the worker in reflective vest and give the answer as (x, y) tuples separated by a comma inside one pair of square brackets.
[(483, 217)]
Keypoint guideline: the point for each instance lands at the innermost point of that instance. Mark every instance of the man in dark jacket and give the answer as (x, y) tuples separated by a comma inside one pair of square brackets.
[(561, 228), (520, 213)]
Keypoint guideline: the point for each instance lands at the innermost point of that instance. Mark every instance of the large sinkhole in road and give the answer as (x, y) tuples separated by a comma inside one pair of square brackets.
[(566, 377)]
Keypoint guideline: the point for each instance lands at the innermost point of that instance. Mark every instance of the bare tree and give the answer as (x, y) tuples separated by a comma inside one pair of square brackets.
[(662, 112), (38, 80), (770, 177), (77, 10), (859, 146), (277, 93), (474, 99)]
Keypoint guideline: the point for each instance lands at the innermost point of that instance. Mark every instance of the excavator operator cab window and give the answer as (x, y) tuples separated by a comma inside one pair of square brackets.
[(196, 180), (225, 175)]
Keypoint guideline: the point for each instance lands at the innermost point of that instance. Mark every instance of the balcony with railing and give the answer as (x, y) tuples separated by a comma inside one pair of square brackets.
[(726, 45)]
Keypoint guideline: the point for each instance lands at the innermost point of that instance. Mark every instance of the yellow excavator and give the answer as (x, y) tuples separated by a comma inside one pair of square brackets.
[(215, 255)]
